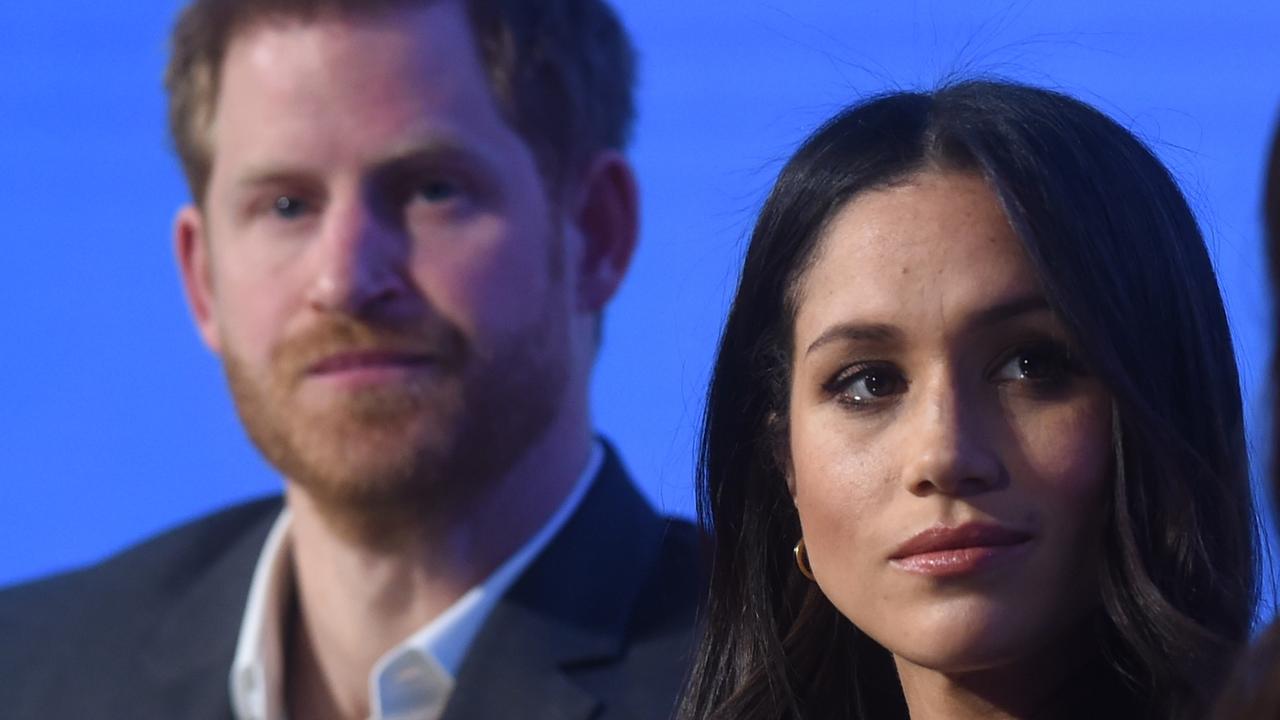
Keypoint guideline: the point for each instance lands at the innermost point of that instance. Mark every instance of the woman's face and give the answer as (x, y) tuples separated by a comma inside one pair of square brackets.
[(949, 455)]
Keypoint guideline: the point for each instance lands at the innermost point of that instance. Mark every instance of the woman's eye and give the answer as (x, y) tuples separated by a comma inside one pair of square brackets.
[(869, 385), (288, 207), (1045, 364)]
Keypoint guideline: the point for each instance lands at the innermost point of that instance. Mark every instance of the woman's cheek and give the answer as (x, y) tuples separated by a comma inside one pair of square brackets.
[(841, 498), (1069, 448)]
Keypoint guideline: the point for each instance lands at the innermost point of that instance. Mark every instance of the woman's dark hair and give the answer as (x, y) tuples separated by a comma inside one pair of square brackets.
[(1123, 264)]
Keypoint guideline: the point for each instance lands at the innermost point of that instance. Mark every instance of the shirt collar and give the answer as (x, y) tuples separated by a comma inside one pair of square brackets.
[(412, 680), (256, 673)]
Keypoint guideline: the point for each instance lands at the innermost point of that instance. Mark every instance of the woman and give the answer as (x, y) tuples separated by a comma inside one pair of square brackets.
[(973, 443)]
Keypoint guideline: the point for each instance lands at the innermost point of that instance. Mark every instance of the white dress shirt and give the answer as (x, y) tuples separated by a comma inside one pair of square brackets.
[(413, 680)]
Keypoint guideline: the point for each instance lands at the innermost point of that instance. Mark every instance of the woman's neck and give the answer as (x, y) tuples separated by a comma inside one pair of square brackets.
[(1038, 688)]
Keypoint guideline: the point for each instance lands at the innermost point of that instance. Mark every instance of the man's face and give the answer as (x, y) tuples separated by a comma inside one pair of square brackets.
[(377, 261)]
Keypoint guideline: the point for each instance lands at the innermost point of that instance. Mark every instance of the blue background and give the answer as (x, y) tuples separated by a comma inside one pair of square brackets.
[(116, 422)]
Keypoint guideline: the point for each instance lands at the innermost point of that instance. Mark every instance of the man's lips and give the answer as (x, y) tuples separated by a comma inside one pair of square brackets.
[(371, 360)]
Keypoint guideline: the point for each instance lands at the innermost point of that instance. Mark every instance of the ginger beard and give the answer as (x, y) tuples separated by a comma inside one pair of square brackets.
[(420, 446)]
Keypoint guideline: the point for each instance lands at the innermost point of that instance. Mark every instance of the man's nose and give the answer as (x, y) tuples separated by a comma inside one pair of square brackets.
[(948, 447), (361, 263)]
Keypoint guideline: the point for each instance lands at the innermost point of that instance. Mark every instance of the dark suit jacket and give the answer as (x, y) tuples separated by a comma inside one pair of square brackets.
[(599, 626)]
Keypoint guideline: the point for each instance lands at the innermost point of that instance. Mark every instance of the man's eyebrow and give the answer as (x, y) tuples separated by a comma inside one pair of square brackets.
[(401, 158), (266, 175), (433, 151), (856, 332)]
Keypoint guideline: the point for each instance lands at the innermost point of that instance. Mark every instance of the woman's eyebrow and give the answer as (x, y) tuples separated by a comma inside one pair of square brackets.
[(856, 332), (883, 334), (1009, 309)]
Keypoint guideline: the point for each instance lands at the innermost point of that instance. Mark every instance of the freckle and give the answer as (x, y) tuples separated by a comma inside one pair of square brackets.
[(906, 270)]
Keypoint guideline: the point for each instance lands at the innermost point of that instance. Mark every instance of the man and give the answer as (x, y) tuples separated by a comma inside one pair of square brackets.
[(407, 219)]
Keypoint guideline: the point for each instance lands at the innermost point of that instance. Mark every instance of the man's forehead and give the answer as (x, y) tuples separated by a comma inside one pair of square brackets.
[(339, 95), (254, 16), (328, 27), (423, 59), (336, 21)]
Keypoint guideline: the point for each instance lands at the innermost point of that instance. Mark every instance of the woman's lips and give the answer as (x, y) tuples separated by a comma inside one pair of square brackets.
[(948, 551)]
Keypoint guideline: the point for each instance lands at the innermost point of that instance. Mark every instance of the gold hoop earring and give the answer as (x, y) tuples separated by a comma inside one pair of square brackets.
[(802, 560)]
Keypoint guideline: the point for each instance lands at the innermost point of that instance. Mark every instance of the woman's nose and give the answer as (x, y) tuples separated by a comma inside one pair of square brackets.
[(948, 447)]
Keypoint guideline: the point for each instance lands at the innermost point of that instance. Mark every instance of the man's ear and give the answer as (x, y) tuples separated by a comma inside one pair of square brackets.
[(607, 217), (191, 245)]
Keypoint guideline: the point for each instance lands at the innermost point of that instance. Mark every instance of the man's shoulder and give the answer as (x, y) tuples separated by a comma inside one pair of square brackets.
[(670, 597), (155, 566), (626, 543), (603, 619), (100, 616), (679, 565)]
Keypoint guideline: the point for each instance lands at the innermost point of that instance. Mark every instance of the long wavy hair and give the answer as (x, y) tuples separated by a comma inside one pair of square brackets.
[(1123, 264)]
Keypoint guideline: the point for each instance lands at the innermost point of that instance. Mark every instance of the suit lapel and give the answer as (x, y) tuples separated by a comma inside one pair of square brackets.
[(570, 609), (188, 656)]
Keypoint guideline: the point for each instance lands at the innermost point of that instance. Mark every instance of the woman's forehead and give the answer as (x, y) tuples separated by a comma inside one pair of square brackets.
[(935, 246)]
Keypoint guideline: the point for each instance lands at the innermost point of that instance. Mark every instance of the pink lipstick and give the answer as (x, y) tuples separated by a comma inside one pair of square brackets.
[(952, 551)]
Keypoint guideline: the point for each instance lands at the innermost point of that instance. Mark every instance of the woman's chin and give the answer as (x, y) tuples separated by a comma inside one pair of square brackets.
[(962, 637)]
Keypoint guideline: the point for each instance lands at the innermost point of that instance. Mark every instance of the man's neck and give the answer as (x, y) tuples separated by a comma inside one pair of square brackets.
[(355, 600)]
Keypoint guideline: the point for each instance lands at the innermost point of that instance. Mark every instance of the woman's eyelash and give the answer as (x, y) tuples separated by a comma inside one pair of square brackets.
[(1039, 366), (842, 378), (1043, 362), (865, 384)]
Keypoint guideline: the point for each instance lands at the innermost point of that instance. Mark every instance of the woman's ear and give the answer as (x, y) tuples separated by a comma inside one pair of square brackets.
[(776, 430)]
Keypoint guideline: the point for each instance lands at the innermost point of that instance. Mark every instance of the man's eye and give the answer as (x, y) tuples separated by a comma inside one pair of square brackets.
[(869, 384), (436, 191), (288, 207)]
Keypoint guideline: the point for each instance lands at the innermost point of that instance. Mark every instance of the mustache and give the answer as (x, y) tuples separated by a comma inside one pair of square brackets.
[(341, 335)]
